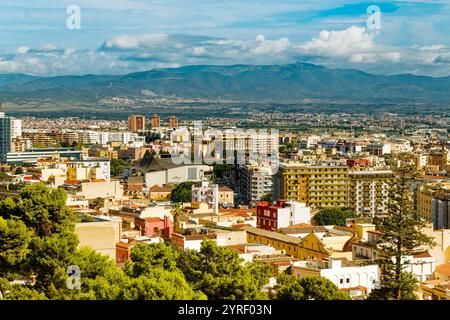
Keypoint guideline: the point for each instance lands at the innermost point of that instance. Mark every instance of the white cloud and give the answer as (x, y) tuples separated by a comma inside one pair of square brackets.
[(341, 42), (353, 47), (23, 50)]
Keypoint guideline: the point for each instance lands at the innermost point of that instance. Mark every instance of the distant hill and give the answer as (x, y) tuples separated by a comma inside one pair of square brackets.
[(245, 83)]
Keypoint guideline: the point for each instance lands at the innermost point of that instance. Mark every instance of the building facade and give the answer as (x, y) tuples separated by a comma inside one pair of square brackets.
[(136, 123)]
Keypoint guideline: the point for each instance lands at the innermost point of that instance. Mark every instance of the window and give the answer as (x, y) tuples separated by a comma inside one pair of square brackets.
[(192, 174)]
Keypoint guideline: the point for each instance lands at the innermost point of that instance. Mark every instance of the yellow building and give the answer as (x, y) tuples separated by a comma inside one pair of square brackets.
[(306, 248), (226, 195), (424, 204), (435, 291), (318, 186), (159, 193), (101, 235)]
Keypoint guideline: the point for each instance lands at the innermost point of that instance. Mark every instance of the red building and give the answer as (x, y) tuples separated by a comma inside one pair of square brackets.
[(267, 215), (155, 227)]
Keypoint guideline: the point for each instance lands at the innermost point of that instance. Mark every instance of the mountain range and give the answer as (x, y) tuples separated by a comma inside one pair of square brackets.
[(245, 83)]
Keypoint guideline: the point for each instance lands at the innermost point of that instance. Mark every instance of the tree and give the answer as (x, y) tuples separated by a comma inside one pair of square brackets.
[(40, 208), (14, 240), (217, 272), (183, 192), (37, 240), (401, 235), (267, 197), (145, 257), (160, 284), (308, 288), (117, 166), (334, 216), (221, 170)]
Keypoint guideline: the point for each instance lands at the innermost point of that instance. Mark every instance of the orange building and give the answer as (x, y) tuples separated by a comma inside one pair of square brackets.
[(156, 121), (173, 122), (136, 123)]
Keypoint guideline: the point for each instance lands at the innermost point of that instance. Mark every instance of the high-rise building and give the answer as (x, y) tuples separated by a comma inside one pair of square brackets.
[(5, 136), (433, 205), (16, 127), (255, 182), (441, 209), (317, 185), (334, 185), (136, 123), (368, 191), (156, 121), (173, 122)]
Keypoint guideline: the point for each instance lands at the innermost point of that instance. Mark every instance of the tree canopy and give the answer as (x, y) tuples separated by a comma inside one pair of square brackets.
[(218, 272), (308, 288), (183, 192), (401, 235), (334, 216)]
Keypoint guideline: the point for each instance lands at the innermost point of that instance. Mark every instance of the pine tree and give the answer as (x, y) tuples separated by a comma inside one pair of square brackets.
[(401, 235)]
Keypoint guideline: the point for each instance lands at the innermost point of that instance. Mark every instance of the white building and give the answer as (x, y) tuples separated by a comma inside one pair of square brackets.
[(16, 128), (89, 137), (207, 193), (97, 169), (256, 181), (164, 171), (344, 274)]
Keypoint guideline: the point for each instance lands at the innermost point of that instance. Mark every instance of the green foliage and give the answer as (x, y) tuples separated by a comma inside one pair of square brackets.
[(145, 257), (334, 216), (217, 272), (308, 288), (161, 284), (24, 292), (222, 170), (388, 290), (49, 259), (37, 241), (267, 197), (288, 147), (183, 192), (401, 234), (41, 209), (117, 167), (14, 240)]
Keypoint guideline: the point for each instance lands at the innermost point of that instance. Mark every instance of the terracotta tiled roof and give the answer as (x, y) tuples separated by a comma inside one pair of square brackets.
[(422, 255), (225, 189)]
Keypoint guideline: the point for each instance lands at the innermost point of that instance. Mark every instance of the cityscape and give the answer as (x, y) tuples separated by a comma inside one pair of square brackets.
[(150, 170)]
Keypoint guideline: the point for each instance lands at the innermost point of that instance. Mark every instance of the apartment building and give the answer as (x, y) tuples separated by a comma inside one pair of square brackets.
[(173, 122), (155, 121), (5, 136), (433, 205), (255, 182), (136, 123), (357, 279), (368, 191), (282, 214), (317, 185)]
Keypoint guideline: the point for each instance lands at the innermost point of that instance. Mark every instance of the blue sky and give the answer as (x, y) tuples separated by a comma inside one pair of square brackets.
[(121, 36)]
